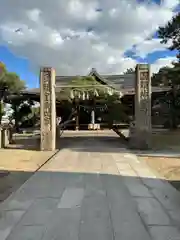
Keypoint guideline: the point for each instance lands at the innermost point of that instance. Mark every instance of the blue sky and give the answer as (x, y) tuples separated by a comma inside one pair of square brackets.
[(19, 65), (23, 66), (151, 57)]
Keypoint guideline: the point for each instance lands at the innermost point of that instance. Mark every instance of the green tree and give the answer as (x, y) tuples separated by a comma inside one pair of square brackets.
[(33, 118), (171, 31), (116, 110), (21, 111), (129, 70), (170, 76), (9, 83), (2, 88), (162, 77)]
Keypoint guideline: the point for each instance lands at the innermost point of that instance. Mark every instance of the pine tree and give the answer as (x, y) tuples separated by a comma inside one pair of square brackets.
[(171, 31)]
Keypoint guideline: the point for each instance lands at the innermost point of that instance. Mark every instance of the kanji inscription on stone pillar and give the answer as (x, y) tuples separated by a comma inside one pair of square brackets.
[(143, 97), (48, 109), (142, 131)]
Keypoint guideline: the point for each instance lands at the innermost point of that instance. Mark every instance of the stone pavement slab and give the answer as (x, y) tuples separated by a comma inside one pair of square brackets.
[(152, 212), (64, 224), (8, 221), (39, 212), (95, 189), (126, 221), (27, 233), (164, 233), (95, 218), (71, 198)]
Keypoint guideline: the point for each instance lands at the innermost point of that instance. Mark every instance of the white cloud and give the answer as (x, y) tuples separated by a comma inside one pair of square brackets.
[(76, 35), (149, 46), (82, 10), (161, 62), (34, 14), (170, 4)]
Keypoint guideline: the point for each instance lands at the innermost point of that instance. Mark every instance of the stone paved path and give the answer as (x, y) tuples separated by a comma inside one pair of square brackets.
[(92, 189)]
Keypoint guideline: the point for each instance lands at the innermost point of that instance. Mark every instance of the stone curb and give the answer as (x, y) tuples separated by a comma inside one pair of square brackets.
[(157, 154)]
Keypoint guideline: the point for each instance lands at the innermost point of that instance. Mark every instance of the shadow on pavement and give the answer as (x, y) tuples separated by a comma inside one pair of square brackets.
[(121, 206), (81, 143), (25, 143), (92, 143)]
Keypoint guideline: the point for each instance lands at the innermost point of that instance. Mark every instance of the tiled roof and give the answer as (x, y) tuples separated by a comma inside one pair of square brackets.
[(124, 83), (116, 81), (121, 81)]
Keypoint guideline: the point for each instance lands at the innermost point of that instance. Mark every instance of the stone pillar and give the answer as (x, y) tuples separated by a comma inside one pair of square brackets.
[(5, 138), (48, 109), (141, 136)]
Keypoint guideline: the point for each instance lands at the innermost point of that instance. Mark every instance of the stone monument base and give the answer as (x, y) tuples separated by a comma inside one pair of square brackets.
[(95, 126), (140, 139)]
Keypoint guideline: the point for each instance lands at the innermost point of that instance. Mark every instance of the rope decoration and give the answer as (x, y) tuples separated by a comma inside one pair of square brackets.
[(85, 95)]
